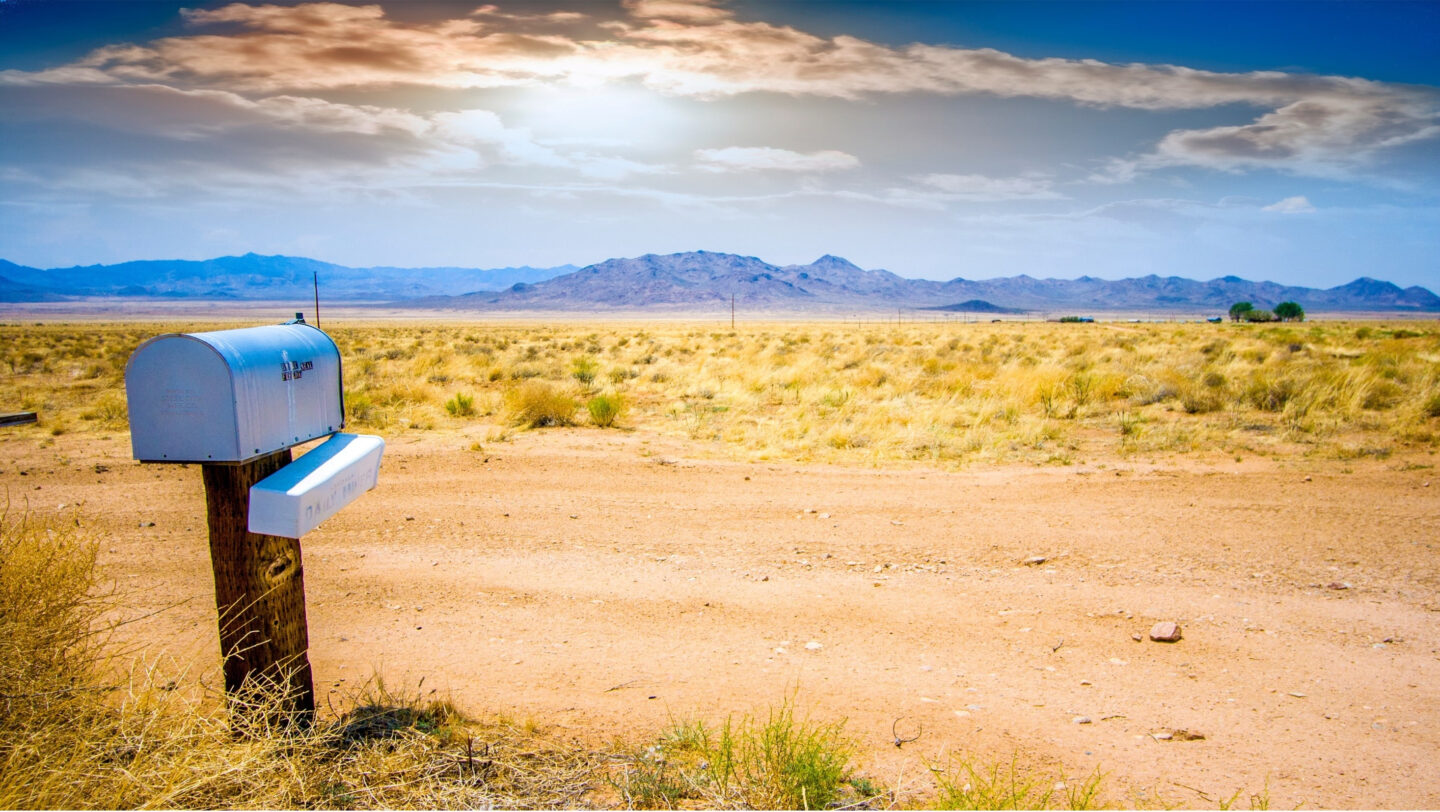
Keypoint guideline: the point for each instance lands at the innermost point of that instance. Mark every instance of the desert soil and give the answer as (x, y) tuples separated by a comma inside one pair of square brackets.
[(604, 583)]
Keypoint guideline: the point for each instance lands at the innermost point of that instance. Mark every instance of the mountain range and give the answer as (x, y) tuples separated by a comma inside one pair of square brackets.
[(708, 279), (253, 276), (683, 281)]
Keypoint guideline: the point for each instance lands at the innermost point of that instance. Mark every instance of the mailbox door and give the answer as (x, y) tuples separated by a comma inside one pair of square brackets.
[(181, 401)]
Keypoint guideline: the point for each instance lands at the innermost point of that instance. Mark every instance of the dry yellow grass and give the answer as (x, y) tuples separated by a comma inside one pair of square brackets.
[(940, 393)]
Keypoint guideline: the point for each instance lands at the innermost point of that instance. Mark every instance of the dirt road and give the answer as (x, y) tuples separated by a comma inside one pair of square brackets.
[(606, 582)]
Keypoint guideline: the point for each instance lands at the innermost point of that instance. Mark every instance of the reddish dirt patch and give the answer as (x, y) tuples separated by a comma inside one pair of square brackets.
[(604, 583)]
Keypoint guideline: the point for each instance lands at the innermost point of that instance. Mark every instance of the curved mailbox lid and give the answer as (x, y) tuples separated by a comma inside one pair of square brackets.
[(296, 499), (232, 395)]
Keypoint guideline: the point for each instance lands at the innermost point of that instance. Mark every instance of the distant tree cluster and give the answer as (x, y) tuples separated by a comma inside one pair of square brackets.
[(1285, 311)]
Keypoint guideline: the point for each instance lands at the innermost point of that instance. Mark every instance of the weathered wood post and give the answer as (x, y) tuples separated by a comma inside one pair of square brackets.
[(236, 402), (259, 591)]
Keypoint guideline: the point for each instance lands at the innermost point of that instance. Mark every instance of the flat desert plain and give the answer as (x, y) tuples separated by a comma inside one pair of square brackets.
[(605, 583)]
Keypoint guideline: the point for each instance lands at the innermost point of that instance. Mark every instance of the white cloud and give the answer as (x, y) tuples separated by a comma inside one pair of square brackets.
[(1292, 205), (751, 159), (983, 188)]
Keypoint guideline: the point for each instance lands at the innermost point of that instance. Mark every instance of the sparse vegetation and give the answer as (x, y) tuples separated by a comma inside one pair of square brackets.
[(964, 784), (937, 393), (779, 763)]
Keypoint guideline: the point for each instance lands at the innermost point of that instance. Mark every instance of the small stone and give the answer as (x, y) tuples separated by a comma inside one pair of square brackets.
[(814, 645), (147, 524), (1163, 736), (1188, 735), (1035, 560), (1297, 694), (1081, 720), (1338, 585), (1086, 682), (1138, 637), (1166, 631), (824, 515), (1308, 479)]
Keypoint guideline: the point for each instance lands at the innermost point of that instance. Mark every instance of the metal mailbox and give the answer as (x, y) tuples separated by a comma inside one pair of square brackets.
[(296, 499), (232, 395)]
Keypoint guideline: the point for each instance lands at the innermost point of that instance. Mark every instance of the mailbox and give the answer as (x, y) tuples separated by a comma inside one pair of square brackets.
[(233, 395)]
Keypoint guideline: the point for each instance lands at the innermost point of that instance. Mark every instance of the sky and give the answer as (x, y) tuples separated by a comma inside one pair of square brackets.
[(1297, 142)]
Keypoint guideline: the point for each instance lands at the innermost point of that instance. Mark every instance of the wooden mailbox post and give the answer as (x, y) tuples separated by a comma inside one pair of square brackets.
[(236, 401)]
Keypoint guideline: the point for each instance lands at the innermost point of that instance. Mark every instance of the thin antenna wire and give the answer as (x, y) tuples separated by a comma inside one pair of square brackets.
[(315, 277)]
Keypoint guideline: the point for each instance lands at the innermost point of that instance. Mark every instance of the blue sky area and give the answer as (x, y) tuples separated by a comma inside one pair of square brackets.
[(1292, 141)]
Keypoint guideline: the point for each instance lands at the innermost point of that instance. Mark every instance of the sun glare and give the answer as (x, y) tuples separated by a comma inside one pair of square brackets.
[(603, 113)]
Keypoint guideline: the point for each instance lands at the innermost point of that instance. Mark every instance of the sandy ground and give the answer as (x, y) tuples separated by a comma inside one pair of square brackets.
[(604, 583)]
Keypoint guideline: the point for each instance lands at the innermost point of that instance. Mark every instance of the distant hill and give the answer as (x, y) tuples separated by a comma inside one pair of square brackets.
[(977, 306), (13, 291), (710, 279), (253, 276)]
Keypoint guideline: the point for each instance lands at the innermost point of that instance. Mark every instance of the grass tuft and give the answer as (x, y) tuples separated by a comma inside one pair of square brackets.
[(605, 409), (779, 763)]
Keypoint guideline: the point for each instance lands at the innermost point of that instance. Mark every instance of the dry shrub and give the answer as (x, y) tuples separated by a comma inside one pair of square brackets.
[(535, 404), (81, 733), (48, 606)]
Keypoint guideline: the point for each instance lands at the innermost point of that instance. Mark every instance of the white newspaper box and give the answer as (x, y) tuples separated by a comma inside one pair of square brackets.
[(296, 499)]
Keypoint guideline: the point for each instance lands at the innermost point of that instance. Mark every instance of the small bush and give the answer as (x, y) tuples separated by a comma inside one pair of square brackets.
[(535, 404), (605, 409), (583, 370), (462, 405)]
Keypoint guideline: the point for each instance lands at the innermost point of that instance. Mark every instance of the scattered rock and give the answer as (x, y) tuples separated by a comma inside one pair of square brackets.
[(1166, 631), (1035, 560), (824, 515), (814, 645), (1162, 736), (147, 524), (1183, 735), (1308, 479), (1338, 585), (1138, 637), (1081, 720)]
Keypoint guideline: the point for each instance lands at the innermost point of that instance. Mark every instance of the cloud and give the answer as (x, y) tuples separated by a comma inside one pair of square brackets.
[(983, 188), (152, 141), (751, 159), (1303, 124), (1292, 205)]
